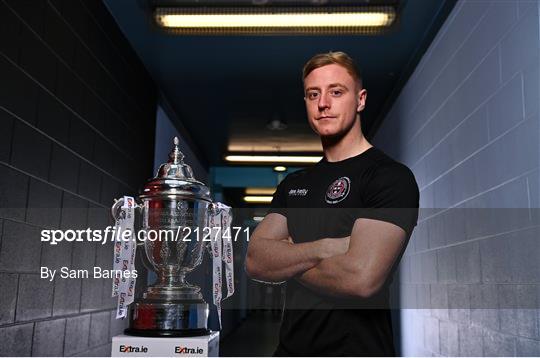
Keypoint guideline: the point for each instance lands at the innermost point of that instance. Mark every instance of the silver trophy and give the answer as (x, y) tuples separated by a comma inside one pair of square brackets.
[(174, 202)]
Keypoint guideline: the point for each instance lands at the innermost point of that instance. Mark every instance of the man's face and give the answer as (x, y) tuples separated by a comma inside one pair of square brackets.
[(333, 99)]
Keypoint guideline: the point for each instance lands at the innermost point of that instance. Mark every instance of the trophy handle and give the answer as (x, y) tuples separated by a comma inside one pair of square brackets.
[(214, 209), (115, 209), (115, 212)]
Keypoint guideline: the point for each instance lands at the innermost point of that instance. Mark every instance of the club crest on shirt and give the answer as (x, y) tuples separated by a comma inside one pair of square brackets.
[(338, 190)]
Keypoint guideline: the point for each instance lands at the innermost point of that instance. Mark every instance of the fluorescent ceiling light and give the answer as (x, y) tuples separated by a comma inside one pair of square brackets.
[(258, 218), (273, 158), (267, 144), (257, 199), (194, 21), (260, 191), (255, 20), (280, 168)]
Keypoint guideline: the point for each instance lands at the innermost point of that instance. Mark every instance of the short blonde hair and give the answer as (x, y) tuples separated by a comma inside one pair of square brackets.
[(329, 58)]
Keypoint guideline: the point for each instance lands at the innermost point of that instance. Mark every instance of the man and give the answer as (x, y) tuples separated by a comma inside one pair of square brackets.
[(336, 230)]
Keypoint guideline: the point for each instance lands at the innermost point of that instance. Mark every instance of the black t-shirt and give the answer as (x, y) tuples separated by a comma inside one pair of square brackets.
[(324, 201)]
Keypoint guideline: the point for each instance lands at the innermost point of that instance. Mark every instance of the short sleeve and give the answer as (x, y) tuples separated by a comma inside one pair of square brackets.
[(279, 200), (392, 195)]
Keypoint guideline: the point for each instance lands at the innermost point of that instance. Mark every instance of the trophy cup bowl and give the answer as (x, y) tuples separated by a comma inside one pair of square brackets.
[(173, 205)]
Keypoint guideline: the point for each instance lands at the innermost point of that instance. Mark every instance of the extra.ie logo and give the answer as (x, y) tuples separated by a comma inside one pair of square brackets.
[(187, 350), (132, 349)]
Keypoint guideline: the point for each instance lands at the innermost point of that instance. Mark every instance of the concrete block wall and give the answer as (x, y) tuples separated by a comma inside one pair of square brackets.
[(77, 118), (467, 124)]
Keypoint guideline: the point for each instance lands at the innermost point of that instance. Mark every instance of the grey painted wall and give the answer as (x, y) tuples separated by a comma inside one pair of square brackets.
[(77, 114), (467, 124)]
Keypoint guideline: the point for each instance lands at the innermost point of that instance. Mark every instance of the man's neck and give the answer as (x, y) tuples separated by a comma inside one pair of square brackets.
[(352, 144)]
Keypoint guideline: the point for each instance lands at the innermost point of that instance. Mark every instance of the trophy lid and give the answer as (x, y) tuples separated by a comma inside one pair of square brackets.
[(175, 178)]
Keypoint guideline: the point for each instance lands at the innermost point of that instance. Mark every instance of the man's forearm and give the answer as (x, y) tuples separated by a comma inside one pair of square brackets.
[(274, 261), (334, 276)]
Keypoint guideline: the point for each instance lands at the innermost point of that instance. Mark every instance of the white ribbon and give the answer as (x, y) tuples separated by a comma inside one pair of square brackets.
[(124, 257), (222, 251), (227, 247)]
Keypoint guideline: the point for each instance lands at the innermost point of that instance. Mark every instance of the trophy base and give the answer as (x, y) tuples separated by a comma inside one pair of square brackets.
[(185, 318)]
